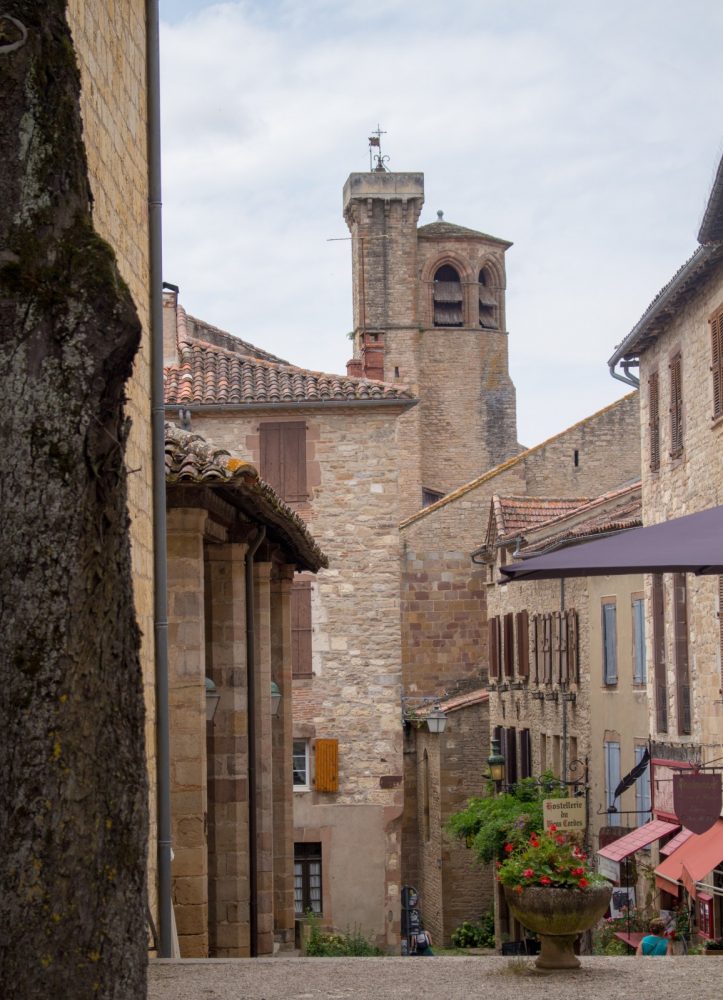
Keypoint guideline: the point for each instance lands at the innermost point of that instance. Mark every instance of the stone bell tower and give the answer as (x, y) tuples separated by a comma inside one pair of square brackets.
[(429, 312)]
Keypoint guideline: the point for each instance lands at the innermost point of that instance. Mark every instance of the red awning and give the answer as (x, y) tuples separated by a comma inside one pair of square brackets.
[(678, 840), (700, 854), (623, 847)]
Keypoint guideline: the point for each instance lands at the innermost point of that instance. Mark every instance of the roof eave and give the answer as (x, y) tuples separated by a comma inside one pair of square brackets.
[(305, 404)]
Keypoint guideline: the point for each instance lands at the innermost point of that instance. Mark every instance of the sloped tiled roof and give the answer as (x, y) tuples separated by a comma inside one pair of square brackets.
[(445, 230), (615, 511), (212, 375), (518, 514), (192, 460), (198, 329)]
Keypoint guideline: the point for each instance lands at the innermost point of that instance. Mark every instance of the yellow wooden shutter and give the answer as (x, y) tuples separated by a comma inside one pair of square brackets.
[(327, 765)]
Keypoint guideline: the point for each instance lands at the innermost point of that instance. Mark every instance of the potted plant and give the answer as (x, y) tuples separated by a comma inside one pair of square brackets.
[(551, 889), (713, 946)]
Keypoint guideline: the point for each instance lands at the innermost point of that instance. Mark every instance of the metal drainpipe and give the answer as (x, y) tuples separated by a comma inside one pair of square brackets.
[(251, 730), (160, 575)]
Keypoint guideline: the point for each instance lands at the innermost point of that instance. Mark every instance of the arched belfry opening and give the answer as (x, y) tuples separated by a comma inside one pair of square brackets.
[(488, 301), (448, 298)]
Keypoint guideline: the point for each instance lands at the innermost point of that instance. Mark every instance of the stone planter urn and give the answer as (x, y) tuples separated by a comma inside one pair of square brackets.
[(558, 917)]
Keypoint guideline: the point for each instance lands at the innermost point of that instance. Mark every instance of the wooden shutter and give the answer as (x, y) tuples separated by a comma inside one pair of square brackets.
[(327, 765), (536, 649), (547, 648), (573, 659), (525, 754), (654, 420), (661, 685), (610, 643), (564, 672), (511, 755), (716, 339), (638, 616), (509, 647), (301, 629), (676, 407), (283, 459), (682, 676), (493, 648), (523, 644)]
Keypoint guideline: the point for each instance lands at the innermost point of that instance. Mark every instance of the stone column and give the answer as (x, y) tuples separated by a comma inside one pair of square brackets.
[(228, 828), (282, 742), (264, 790), (187, 703)]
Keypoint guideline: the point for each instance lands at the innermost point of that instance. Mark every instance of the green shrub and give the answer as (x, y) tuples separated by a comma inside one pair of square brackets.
[(325, 944), (476, 935)]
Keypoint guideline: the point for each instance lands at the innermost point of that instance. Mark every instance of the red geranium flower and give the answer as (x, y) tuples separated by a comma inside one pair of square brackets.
[(528, 873), (559, 839), (552, 828), (509, 848), (577, 871), (583, 882), (545, 880), (518, 889)]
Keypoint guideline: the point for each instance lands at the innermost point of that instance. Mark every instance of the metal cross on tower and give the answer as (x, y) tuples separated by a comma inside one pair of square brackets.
[(375, 142)]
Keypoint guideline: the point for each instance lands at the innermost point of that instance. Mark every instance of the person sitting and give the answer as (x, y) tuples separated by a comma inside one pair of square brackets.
[(422, 943), (655, 943)]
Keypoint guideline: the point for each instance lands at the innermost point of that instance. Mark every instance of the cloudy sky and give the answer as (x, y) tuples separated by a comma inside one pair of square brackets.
[(587, 132)]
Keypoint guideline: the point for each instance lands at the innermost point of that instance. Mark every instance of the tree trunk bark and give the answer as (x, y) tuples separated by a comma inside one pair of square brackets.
[(73, 797)]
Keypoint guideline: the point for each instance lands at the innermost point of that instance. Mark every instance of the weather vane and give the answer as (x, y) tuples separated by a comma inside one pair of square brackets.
[(375, 142)]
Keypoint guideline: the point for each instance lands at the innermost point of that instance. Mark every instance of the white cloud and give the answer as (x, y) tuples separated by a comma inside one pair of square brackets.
[(586, 133)]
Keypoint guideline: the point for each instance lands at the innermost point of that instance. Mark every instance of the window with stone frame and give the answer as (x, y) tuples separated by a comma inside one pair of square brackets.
[(654, 420), (430, 496), (307, 879), (716, 366), (447, 297), (676, 406), (301, 765), (488, 302), (283, 458)]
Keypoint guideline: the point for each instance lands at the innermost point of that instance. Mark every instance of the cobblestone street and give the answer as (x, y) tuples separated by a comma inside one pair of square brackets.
[(439, 977)]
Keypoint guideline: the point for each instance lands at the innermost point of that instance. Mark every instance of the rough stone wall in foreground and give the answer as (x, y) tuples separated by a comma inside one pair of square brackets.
[(683, 486), (110, 44)]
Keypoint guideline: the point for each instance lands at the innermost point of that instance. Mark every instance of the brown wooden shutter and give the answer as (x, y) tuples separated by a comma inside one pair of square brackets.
[(716, 337), (661, 684), (682, 675), (676, 407), (654, 421), (523, 644), (525, 754), (547, 648), (511, 756), (493, 647), (327, 766), (301, 629), (283, 459), (536, 648), (563, 648), (509, 648), (573, 659)]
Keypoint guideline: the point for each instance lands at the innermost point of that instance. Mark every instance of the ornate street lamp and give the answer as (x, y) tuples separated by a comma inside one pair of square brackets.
[(496, 763), (436, 720)]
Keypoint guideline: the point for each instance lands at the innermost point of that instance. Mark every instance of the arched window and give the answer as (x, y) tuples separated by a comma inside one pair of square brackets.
[(487, 302), (447, 297)]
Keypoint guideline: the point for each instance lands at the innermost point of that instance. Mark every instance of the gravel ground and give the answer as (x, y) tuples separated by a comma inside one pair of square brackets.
[(675, 978)]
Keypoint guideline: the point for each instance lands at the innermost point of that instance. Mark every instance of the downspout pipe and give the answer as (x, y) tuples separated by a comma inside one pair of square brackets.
[(160, 573), (251, 730)]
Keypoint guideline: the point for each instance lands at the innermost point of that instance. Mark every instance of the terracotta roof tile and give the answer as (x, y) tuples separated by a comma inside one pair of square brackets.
[(514, 514), (212, 375), (191, 459), (617, 510)]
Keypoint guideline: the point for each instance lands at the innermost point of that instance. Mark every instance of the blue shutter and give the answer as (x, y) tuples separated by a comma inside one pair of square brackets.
[(640, 673), (612, 778), (610, 662)]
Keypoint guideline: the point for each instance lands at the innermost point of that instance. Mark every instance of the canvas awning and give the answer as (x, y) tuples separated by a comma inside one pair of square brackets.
[(700, 854), (631, 842), (690, 544)]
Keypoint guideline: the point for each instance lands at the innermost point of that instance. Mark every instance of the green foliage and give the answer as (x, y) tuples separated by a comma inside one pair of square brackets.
[(604, 940), (713, 944), (476, 935), (488, 823), (323, 944), (552, 859)]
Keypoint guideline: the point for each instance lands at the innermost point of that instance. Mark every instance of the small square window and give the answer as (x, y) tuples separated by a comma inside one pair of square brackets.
[(300, 765)]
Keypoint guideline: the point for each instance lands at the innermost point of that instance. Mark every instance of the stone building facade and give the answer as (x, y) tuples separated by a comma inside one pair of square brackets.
[(328, 444), (110, 47), (429, 314), (444, 773), (233, 547), (676, 348)]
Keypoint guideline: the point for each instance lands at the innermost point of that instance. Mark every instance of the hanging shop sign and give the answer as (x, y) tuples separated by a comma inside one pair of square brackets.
[(566, 814), (697, 800), (609, 868)]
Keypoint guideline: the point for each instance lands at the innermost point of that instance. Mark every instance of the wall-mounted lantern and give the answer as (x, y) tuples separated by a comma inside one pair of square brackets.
[(496, 763), (436, 720), (275, 698), (212, 699)]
